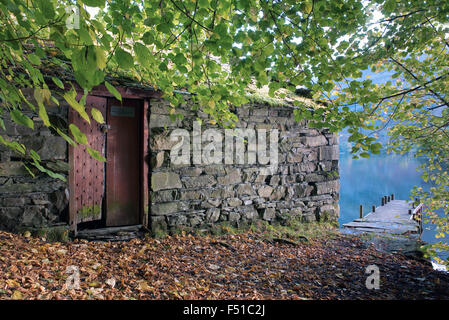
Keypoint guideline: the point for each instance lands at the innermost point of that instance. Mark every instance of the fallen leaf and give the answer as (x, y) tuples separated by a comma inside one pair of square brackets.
[(17, 295)]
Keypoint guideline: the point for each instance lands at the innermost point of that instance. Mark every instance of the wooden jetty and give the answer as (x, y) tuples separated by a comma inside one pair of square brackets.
[(393, 217)]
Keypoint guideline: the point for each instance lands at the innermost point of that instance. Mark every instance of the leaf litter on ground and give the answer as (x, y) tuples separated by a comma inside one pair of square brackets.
[(232, 266)]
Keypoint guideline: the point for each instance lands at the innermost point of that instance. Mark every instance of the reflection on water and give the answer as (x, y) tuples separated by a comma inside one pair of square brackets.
[(365, 181)]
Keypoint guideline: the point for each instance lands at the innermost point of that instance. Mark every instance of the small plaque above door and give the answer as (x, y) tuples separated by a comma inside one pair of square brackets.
[(118, 111)]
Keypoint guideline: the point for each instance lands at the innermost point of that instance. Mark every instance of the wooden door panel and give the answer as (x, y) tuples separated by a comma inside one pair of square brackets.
[(87, 174), (123, 162)]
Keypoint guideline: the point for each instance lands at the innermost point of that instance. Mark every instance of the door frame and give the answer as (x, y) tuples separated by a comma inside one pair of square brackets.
[(144, 155)]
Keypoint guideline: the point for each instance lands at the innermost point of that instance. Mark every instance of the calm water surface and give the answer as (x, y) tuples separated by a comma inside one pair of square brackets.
[(365, 181)]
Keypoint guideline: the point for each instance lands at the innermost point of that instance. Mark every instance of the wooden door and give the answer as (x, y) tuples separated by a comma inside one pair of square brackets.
[(123, 167), (87, 175)]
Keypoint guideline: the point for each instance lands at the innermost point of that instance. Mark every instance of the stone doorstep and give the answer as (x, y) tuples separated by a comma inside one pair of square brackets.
[(112, 233)]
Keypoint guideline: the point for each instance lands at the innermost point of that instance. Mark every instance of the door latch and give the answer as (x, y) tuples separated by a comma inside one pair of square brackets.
[(105, 127)]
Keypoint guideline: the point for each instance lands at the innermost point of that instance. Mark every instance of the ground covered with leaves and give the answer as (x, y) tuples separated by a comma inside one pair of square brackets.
[(232, 266)]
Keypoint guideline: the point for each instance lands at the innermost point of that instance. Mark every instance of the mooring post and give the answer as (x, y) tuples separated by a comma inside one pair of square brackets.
[(361, 211), (383, 201), (374, 208), (420, 221), (392, 196), (389, 199)]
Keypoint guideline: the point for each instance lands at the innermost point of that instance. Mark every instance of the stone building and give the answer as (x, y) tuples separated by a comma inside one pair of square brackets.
[(140, 185)]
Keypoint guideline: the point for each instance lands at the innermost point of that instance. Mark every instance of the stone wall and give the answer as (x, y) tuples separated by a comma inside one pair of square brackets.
[(305, 184), (27, 202)]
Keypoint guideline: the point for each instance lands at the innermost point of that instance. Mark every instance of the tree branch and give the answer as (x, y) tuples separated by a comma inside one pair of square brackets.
[(190, 17), (417, 79)]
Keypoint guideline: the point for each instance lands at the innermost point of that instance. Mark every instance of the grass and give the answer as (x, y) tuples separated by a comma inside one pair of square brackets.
[(294, 230), (282, 98), (264, 99)]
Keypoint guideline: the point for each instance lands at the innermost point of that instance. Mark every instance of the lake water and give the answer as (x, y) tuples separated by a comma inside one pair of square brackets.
[(365, 181)]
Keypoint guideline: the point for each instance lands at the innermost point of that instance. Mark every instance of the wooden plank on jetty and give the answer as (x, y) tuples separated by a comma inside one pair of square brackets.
[(396, 217)]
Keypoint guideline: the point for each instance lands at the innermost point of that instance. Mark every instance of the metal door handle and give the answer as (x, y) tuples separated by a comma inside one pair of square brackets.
[(105, 127)]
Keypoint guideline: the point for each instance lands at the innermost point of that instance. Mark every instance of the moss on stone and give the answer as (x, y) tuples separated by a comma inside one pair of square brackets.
[(52, 234)]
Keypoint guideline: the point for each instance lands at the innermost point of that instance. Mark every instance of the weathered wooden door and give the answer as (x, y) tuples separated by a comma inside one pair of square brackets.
[(87, 175), (123, 167)]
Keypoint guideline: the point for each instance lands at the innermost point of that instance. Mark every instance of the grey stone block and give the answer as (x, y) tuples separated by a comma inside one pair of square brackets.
[(233, 177), (47, 147), (329, 153), (165, 180), (165, 208), (245, 190), (327, 187), (268, 214), (314, 141), (212, 215), (265, 191), (163, 121), (200, 181)]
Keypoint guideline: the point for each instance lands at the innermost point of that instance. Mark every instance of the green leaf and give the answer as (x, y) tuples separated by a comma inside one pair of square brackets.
[(148, 38), (18, 117), (78, 135), (34, 59), (203, 3), (179, 59), (43, 115), (58, 82), (124, 59), (56, 101), (390, 5), (47, 9), (47, 171), (364, 155), (42, 95), (34, 155), (32, 107), (144, 56), (70, 98), (100, 57), (113, 90), (97, 115), (163, 66), (29, 170), (95, 154), (94, 3), (164, 28), (66, 137)]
